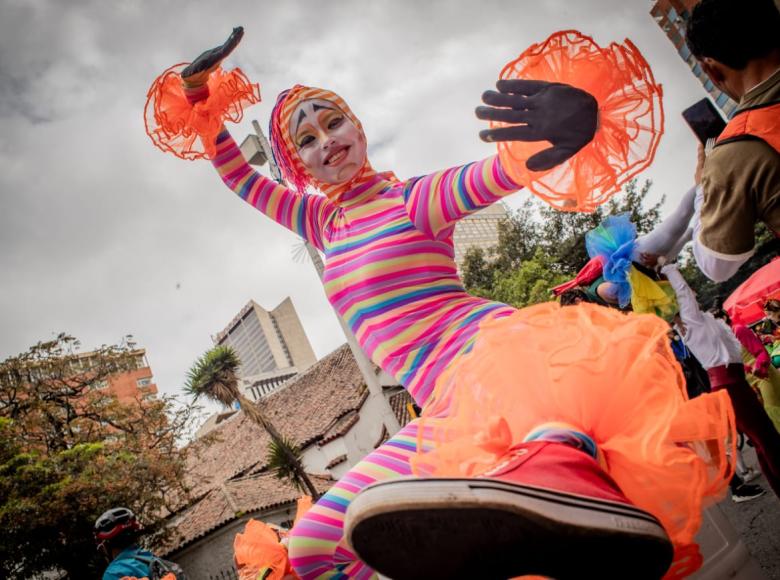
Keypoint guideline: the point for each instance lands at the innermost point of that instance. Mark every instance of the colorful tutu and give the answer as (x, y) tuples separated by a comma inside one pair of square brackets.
[(258, 552), (630, 119), (190, 131), (609, 374), (614, 243)]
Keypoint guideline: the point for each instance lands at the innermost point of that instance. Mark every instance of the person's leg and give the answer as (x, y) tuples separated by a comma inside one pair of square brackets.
[(486, 489), (667, 236), (751, 419), (542, 493), (317, 548)]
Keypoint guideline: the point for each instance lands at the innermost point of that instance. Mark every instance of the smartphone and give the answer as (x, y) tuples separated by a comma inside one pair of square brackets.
[(705, 120)]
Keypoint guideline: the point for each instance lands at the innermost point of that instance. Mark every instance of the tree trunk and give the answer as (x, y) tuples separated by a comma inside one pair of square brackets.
[(253, 412)]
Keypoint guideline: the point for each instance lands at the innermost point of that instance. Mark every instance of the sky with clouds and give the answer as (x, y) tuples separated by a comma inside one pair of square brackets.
[(102, 235)]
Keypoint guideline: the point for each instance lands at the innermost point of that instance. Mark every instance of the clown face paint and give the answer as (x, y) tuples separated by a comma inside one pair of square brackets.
[(331, 147)]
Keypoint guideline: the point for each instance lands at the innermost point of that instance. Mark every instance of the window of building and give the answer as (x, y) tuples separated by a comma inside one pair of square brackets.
[(722, 99), (729, 108), (697, 69), (97, 385), (684, 51), (144, 382), (672, 15), (708, 86)]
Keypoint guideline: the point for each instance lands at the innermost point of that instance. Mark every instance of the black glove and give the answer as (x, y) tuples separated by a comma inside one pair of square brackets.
[(198, 70), (565, 116)]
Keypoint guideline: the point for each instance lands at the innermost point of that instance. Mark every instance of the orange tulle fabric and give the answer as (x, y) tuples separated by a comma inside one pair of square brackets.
[(258, 549), (190, 131), (611, 375), (303, 505), (630, 119)]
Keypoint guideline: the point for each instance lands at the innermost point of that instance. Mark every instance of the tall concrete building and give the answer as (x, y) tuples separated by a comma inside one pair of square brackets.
[(271, 344), (672, 16), (479, 230)]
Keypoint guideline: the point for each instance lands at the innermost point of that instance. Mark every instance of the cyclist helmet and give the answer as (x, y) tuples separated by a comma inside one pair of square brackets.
[(115, 522)]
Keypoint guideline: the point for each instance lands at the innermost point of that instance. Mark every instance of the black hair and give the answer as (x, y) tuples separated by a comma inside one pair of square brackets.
[(573, 296), (733, 33), (719, 312)]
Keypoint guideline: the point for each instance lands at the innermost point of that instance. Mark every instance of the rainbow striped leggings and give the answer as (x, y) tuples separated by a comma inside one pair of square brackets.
[(317, 547)]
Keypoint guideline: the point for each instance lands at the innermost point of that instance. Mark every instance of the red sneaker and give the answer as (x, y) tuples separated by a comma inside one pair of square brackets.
[(547, 510)]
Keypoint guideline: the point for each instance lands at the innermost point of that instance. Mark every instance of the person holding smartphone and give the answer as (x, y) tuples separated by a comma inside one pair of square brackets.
[(738, 46)]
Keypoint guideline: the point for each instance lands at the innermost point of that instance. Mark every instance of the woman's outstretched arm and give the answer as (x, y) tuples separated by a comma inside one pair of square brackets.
[(437, 201), (527, 110), (304, 214), (301, 213)]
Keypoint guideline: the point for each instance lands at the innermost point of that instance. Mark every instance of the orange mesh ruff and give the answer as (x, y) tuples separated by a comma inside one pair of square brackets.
[(610, 374), (303, 505), (258, 549), (630, 119), (190, 131)]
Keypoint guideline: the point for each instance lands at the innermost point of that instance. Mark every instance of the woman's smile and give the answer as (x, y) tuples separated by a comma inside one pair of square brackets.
[(337, 156)]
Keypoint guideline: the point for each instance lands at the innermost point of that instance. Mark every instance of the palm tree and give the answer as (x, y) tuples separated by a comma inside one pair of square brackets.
[(215, 376), (278, 461)]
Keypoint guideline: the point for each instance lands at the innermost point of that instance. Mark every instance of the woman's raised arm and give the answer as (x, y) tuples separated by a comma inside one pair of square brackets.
[(301, 213)]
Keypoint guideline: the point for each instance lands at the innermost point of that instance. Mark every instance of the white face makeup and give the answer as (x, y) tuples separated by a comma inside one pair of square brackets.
[(331, 147)]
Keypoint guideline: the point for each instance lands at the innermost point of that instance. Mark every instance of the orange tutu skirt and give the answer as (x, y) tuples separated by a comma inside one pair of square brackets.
[(190, 131), (258, 550), (630, 119), (608, 374)]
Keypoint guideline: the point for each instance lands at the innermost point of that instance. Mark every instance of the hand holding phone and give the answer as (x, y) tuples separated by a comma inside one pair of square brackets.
[(705, 120)]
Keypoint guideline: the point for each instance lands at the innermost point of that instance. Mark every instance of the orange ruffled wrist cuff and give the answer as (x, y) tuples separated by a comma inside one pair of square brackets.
[(174, 124), (630, 119)]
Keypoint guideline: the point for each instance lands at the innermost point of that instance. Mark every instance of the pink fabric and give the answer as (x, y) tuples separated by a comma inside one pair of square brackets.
[(754, 346)]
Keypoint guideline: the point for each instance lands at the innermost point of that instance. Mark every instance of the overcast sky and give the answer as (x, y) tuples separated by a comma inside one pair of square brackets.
[(102, 235)]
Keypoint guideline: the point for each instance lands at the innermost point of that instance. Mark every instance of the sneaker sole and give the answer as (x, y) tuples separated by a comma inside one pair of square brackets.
[(744, 498), (481, 528)]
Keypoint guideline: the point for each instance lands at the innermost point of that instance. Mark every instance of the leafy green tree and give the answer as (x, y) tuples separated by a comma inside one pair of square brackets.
[(531, 283), (279, 461), (539, 247), (69, 450), (563, 233), (215, 376)]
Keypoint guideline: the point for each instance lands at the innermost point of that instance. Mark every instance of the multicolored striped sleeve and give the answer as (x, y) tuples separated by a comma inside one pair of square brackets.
[(301, 213), (436, 201)]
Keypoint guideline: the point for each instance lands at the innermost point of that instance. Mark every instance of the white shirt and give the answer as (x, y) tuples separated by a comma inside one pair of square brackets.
[(710, 340), (716, 266)]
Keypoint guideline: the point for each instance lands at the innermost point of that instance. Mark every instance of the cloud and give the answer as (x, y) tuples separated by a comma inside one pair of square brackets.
[(102, 235)]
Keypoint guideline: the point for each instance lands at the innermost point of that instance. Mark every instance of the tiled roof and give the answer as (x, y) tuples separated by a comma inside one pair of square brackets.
[(309, 407), (309, 404), (383, 436), (340, 427), (225, 503), (336, 461), (399, 402)]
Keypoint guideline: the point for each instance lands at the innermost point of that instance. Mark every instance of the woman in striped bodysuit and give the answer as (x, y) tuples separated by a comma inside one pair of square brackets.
[(390, 273)]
